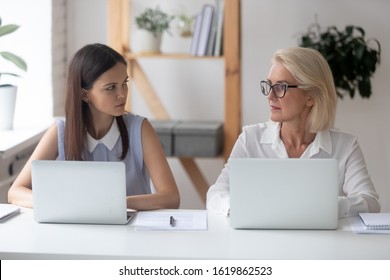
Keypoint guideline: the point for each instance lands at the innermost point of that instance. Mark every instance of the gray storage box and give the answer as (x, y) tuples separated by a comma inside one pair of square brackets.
[(198, 139), (164, 130)]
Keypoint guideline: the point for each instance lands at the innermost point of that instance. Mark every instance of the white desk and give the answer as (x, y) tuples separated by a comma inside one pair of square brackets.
[(22, 238)]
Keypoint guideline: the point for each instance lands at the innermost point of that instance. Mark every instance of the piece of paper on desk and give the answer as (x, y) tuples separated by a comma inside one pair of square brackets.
[(8, 210), (171, 220), (358, 226)]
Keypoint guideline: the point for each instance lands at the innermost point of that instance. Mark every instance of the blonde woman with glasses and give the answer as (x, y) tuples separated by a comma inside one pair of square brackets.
[(302, 101)]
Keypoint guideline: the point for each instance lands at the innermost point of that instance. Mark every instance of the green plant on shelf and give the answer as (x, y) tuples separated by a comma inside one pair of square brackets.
[(154, 20)]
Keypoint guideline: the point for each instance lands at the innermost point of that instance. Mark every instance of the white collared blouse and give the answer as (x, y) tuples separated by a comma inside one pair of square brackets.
[(109, 148)]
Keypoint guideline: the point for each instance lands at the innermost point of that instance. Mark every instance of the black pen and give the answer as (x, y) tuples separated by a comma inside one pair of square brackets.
[(171, 221)]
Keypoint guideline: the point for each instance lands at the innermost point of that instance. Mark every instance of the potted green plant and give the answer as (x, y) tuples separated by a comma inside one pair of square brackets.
[(185, 24), (8, 91), (352, 59), (151, 24)]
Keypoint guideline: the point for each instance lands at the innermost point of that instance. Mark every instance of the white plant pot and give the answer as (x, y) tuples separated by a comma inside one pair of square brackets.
[(7, 106), (146, 42)]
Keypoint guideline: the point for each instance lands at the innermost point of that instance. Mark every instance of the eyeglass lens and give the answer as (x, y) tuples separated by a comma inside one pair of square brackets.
[(278, 89)]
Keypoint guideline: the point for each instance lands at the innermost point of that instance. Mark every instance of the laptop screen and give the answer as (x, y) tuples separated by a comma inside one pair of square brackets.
[(283, 193), (79, 192)]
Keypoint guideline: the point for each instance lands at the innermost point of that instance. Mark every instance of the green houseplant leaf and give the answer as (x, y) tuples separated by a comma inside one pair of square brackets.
[(351, 59), (16, 60), (6, 29)]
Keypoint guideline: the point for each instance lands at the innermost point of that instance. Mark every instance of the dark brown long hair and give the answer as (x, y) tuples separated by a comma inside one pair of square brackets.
[(87, 65)]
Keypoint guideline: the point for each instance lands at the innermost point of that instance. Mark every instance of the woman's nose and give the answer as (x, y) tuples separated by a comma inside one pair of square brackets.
[(122, 94), (271, 95)]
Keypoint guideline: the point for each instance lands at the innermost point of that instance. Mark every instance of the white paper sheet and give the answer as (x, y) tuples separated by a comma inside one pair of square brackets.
[(161, 220)]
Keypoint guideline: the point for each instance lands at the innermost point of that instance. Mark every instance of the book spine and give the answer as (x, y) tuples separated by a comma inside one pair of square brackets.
[(207, 17), (219, 32), (195, 37), (213, 31)]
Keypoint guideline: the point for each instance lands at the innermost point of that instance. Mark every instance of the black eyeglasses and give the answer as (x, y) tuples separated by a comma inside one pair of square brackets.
[(279, 89)]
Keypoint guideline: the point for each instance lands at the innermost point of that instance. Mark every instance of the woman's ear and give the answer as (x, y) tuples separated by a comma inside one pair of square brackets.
[(309, 101), (84, 96)]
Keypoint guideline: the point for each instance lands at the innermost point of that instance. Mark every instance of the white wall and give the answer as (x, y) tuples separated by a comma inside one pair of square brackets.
[(194, 89), (32, 42)]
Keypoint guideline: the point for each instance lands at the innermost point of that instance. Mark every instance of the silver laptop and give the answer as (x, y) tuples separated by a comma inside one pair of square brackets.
[(88, 192), (283, 193)]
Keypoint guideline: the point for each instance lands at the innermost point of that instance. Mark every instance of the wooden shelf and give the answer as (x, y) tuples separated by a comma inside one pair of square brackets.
[(132, 56), (119, 27)]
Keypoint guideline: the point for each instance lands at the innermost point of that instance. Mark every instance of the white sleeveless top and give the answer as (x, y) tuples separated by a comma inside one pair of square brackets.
[(137, 177)]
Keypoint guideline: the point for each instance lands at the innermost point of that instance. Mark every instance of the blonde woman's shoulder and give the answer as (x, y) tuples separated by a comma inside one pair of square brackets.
[(262, 126)]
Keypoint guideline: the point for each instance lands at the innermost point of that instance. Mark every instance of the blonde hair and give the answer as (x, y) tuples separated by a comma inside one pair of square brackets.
[(312, 71)]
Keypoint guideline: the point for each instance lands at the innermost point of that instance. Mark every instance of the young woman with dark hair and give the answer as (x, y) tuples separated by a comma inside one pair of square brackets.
[(97, 128)]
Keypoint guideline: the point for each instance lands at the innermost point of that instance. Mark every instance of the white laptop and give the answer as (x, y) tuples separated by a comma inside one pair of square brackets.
[(283, 193), (87, 192)]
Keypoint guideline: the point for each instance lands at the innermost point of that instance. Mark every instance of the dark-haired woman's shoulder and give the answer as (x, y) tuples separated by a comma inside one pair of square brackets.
[(131, 118)]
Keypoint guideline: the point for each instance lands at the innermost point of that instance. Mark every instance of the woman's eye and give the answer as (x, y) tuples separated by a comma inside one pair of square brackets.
[(279, 87), (112, 87)]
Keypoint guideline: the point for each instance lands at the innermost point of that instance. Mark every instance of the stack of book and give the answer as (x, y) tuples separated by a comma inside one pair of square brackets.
[(208, 30)]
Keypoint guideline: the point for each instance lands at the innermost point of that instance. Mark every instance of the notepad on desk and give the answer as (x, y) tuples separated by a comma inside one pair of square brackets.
[(376, 221), (8, 210), (171, 220)]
